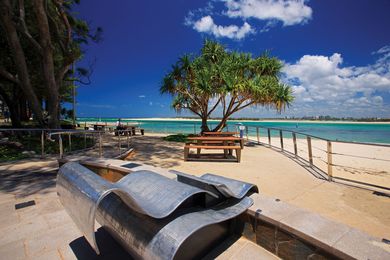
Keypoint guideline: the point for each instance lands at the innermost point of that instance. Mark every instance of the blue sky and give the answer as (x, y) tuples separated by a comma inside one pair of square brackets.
[(336, 53)]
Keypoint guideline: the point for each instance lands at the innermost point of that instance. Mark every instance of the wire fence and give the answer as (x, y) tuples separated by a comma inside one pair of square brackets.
[(361, 164)]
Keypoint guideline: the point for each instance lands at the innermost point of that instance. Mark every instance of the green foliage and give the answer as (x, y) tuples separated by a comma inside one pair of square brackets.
[(10, 154), (181, 138), (236, 80), (68, 35)]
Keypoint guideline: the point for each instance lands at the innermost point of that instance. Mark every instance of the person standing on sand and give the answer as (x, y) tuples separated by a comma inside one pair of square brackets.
[(119, 127)]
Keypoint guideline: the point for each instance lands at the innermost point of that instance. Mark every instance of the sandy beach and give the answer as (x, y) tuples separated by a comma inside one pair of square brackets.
[(279, 176), (363, 163)]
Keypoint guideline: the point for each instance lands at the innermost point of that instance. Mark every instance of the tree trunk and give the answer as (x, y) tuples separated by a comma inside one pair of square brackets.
[(19, 59), (221, 124), (14, 112), (13, 108), (48, 63), (204, 127), (22, 106)]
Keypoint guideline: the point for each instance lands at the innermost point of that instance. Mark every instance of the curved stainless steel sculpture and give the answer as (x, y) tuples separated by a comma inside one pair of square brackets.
[(218, 184), (152, 216)]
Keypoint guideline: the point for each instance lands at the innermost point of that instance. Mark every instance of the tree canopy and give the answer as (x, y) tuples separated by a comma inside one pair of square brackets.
[(229, 80), (40, 41)]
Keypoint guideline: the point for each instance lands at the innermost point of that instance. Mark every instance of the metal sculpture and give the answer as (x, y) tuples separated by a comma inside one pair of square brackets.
[(152, 216)]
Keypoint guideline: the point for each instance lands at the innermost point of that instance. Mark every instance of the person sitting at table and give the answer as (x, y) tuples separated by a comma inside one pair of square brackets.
[(119, 126)]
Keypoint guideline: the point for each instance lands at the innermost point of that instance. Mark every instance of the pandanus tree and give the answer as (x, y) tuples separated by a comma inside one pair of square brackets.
[(227, 82)]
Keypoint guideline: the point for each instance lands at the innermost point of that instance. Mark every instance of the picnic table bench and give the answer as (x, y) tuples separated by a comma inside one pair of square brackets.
[(119, 130), (219, 133), (99, 127)]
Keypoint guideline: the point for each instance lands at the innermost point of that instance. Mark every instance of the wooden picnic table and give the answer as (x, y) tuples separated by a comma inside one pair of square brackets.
[(99, 127), (223, 139), (215, 143), (219, 133)]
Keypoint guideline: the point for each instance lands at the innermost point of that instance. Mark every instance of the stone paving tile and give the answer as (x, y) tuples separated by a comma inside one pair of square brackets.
[(252, 251), (6, 207), (271, 210), (8, 216), (9, 219), (67, 253), (6, 197), (45, 206), (361, 246), (50, 255), (227, 249), (51, 240), (28, 228), (314, 228), (59, 218), (13, 250)]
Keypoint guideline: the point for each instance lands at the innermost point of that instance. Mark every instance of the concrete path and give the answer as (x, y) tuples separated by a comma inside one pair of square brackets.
[(45, 231)]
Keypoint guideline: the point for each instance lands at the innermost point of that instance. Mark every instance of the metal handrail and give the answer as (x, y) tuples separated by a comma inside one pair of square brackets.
[(49, 133), (93, 132), (318, 137), (329, 150)]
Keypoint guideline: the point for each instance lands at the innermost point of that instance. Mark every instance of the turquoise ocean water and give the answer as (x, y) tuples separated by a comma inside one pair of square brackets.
[(356, 132)]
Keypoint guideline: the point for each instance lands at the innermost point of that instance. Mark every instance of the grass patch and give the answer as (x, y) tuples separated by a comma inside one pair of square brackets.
[(180, 138), (10, 154), (32, 142)]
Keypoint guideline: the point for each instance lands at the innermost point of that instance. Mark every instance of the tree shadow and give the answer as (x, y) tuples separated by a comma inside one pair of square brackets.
[(155, 151), (25, 183)]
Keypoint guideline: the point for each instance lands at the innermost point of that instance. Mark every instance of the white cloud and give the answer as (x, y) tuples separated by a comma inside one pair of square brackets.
[(322, 83), (141, 96), (289, 12), (206, 25)]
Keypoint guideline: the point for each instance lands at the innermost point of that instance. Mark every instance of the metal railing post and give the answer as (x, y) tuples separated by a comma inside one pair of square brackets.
[(42, 144), (330, 163), (309, 150), (119, 142), (295, 144), (100, 145), (128, 143), (258, 135), (269, 136), (60, 146), (281, 139), (246, 130), (85, 140)]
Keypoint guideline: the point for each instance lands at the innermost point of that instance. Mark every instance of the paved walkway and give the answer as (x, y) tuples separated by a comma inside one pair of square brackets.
[(45, 231)]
